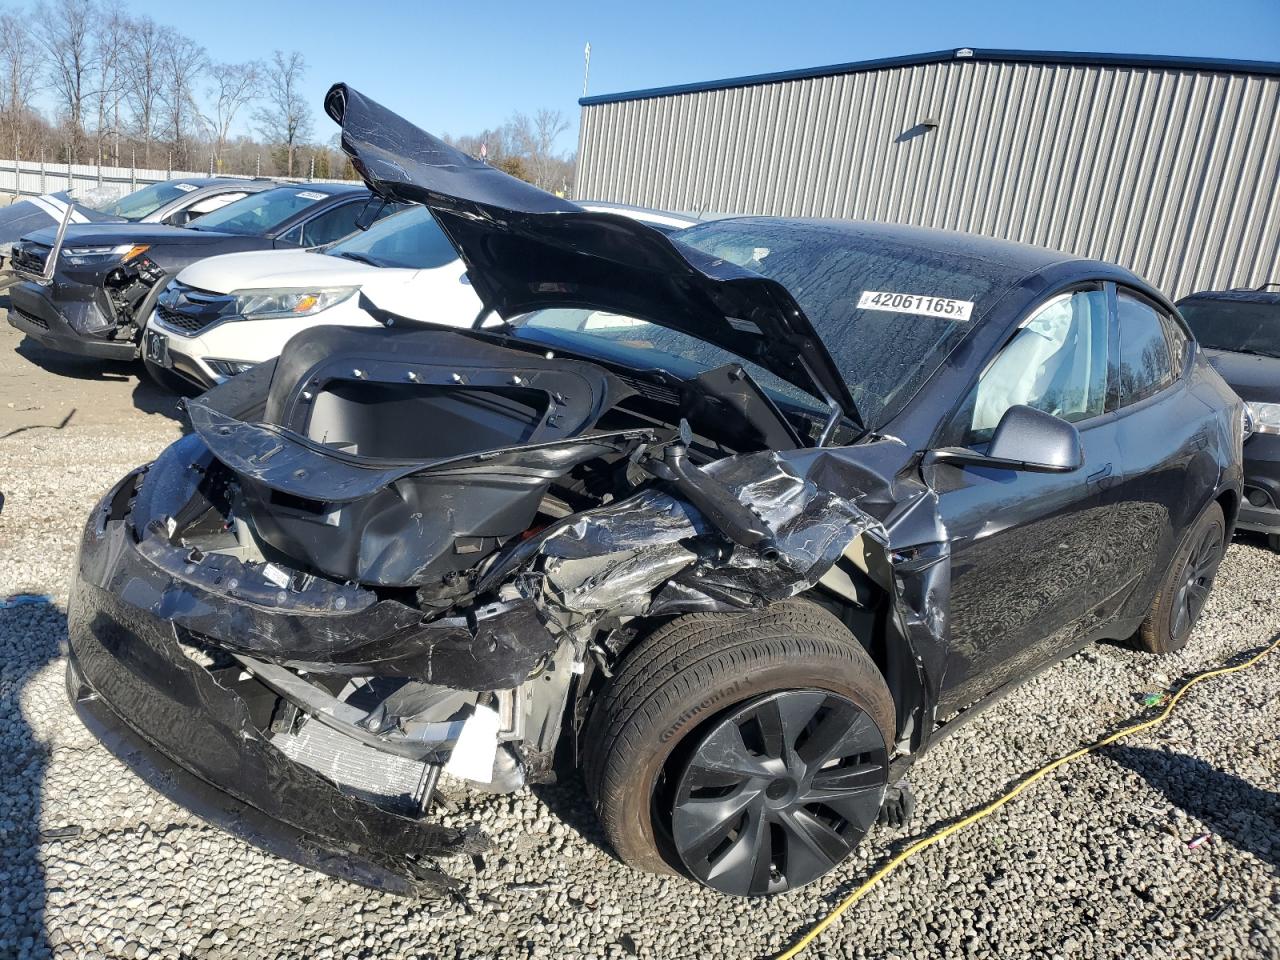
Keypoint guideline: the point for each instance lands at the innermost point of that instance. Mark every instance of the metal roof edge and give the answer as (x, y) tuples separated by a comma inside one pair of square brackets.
[(1218, 65)]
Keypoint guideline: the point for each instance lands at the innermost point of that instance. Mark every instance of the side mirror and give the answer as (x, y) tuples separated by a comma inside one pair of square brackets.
[(1025, 439), (370, 213)]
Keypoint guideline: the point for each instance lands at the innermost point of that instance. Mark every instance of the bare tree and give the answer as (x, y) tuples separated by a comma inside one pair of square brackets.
[(234, 85), (182, 60), (109, 34), (536, 139), (65, 31), (143, 42), (20, 69), (286, 118)]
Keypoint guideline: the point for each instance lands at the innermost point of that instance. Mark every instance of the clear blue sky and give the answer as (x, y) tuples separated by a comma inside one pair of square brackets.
[(460, 67)]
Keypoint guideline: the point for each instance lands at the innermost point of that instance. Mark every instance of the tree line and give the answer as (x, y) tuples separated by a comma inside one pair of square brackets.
[(126, 90)]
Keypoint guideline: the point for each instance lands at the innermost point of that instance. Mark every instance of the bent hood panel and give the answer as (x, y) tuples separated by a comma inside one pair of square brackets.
[(526, 250)]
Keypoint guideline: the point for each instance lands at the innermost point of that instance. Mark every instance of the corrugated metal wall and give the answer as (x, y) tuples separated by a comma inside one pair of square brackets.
[(1172, 173)]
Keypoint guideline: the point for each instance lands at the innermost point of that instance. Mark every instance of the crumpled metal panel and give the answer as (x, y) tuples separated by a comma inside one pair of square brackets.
[(526, 249)]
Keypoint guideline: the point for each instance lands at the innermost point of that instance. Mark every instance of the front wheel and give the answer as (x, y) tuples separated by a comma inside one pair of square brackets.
[(1183, 592), (748, 751)]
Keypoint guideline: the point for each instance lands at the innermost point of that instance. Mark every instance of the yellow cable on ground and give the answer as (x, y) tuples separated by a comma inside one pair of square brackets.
[(1048, 768)]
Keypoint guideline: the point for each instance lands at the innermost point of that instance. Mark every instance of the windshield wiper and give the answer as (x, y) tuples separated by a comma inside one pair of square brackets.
[(357, 257)]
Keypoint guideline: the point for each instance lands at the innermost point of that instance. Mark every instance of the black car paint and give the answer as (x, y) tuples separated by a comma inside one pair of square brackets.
[(1055, 560), (74, 313)]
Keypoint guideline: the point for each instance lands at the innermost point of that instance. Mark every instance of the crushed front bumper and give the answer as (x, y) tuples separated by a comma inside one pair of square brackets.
[(34, 313), (126, 658)]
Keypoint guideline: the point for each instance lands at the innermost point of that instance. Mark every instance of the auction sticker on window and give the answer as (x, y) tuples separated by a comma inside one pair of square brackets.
[(919, 303)]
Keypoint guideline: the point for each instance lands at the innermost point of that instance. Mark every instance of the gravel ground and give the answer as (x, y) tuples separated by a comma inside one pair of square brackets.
[(1095, 861)]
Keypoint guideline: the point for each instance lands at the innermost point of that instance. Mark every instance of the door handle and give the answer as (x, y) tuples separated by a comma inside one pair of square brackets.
[(1101, 474)]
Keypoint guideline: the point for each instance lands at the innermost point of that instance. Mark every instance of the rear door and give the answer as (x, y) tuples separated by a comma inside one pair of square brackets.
[(1025, 547)]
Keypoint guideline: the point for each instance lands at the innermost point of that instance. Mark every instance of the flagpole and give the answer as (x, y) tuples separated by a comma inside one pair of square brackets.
[(586, 68)]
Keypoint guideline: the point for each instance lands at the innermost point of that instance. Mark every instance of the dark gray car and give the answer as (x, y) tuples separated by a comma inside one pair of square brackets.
[(1240, 331), (175, 202), (736, 521)]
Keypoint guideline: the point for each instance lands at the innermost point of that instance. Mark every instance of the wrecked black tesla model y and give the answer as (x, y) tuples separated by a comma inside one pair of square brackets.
[(737, 524)]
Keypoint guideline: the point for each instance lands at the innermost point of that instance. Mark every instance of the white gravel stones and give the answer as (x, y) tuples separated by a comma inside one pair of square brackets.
[(1093, 862)]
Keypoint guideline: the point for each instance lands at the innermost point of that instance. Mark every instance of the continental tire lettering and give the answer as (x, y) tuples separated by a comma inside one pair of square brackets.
[(701, 706)]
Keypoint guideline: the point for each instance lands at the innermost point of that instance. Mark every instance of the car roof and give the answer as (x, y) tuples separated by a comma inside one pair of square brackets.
[(1238, 295), (1015, 256)]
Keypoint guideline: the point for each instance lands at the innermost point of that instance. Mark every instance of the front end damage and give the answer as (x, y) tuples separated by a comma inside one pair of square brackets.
[(359, 550)]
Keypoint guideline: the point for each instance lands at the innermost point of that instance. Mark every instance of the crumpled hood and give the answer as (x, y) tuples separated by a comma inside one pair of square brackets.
[(526, 249)]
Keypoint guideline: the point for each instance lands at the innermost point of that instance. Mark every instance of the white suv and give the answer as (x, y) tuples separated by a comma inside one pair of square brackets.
[(222, 315)]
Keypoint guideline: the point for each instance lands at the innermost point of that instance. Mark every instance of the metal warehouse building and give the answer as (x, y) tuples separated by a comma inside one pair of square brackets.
[(1170, 166)]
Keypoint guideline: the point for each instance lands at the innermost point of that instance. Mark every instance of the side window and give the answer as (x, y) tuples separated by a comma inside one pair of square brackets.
[(1146, 366), (1178, 341), (293, 236), (1056, 362), (207, 205), (331, 225)]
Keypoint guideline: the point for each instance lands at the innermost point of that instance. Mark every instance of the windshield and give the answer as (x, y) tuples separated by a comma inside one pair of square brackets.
[(888, 311), (1240, 326), (142, 203), (410, 239), (259, 213)]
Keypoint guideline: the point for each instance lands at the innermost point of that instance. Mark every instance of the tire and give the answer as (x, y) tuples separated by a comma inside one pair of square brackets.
[(1273, 541), (679, 683), (1183, 590)]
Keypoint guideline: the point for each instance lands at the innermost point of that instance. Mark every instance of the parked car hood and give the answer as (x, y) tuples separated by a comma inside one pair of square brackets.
[(1252, 376), (276, 268), (95, 234), (19, 219), (526, 249)]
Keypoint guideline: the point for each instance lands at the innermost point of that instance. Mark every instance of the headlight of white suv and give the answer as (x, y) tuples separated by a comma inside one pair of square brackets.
[(288, 301), (1264, 417)]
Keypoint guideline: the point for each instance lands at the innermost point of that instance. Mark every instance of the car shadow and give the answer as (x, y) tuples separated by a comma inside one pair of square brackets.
[(567, 801), (31, 633), (1230, 807), (69, 365), (147, 396)]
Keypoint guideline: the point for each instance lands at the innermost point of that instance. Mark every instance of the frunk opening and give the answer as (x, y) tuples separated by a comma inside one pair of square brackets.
[(409, 421)]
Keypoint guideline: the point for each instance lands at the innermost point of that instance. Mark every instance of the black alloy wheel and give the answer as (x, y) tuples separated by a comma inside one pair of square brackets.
[(1195, 582), (778, 792)]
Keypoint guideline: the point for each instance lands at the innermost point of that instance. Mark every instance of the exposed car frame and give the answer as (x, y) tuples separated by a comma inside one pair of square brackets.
[(97, 306)]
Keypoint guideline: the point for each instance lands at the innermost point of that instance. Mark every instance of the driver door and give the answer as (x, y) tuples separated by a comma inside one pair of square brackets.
[(1025, 546)]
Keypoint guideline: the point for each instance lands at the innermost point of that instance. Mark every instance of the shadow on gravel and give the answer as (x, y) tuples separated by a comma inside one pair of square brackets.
[(147, 397), (567, 800), (1231, 808), (30, 638)]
